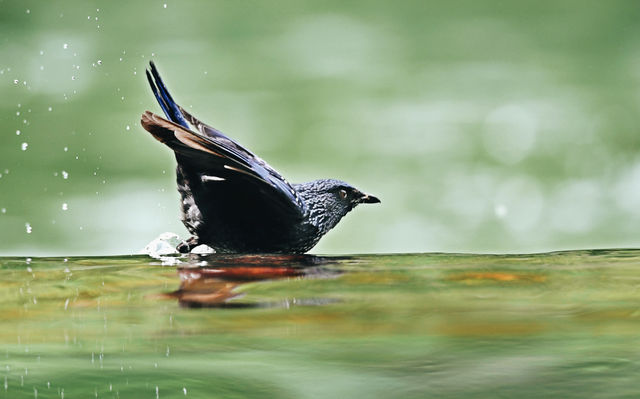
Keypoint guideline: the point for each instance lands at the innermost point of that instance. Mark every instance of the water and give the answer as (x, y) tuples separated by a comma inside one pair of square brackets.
[(381, 326)]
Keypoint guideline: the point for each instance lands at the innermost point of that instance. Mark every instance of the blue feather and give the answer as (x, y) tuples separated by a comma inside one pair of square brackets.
[(169, 107)]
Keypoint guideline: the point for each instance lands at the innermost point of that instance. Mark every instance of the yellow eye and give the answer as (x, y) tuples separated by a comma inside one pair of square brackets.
[(343, 194)]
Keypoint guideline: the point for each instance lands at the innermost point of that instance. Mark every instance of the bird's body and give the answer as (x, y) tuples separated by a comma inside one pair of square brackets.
[(235, 202)]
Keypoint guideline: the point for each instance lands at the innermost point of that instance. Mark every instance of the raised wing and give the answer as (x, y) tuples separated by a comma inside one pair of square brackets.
[(212, 153)]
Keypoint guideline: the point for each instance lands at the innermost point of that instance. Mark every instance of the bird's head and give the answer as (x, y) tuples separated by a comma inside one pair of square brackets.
[(329, 200)]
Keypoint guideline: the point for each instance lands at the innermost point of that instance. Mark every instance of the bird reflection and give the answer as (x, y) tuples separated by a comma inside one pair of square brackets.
[(210, 281)]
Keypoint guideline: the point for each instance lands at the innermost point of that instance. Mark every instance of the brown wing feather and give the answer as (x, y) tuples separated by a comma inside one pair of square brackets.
[(165, 131), (180, 139)]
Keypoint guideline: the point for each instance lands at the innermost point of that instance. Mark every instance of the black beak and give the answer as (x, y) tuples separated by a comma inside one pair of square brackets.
[(368, 199)]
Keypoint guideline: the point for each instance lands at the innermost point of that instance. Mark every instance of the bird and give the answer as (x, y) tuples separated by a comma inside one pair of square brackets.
[(232, 200)]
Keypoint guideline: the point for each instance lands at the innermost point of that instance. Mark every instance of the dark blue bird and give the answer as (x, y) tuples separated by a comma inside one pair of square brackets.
[(232, 200)]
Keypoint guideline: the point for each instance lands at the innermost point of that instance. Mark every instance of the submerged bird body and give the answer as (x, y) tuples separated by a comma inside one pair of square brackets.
[(232, 200), (239, 223)]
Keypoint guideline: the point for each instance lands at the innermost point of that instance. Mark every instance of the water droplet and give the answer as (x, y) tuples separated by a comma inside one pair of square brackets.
[(50, 109), (164, 5), (128, 127), (41, 52), (65, 46), (28, 227), (65, 206), (17, 132), (73, 78), (29, 12), (184, 390), (66, 149), (24, 146), (3, 210), (99, 62), (65, 175)]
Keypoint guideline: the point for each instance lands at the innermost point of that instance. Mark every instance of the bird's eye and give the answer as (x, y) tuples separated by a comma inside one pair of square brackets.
[(343, 194)]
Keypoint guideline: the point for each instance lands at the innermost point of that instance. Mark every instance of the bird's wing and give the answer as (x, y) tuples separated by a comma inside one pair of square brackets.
[(218, 160), (259, 166), (224, 156)]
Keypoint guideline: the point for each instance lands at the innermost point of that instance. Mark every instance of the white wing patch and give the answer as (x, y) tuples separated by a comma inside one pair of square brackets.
[(206, 178)]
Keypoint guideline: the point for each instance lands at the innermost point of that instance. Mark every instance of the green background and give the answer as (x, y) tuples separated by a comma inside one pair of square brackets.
[(483, 126)]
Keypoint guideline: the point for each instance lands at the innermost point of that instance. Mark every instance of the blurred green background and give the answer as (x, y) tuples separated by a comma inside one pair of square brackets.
[(486, 126)]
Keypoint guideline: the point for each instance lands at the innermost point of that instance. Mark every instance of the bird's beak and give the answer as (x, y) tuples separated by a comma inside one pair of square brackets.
[(368, 199)]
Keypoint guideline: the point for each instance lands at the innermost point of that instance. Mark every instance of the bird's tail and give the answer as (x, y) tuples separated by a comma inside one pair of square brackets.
[(160, 91)]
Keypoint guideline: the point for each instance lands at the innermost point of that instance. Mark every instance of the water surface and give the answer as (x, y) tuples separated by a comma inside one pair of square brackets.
[(407, 326)]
